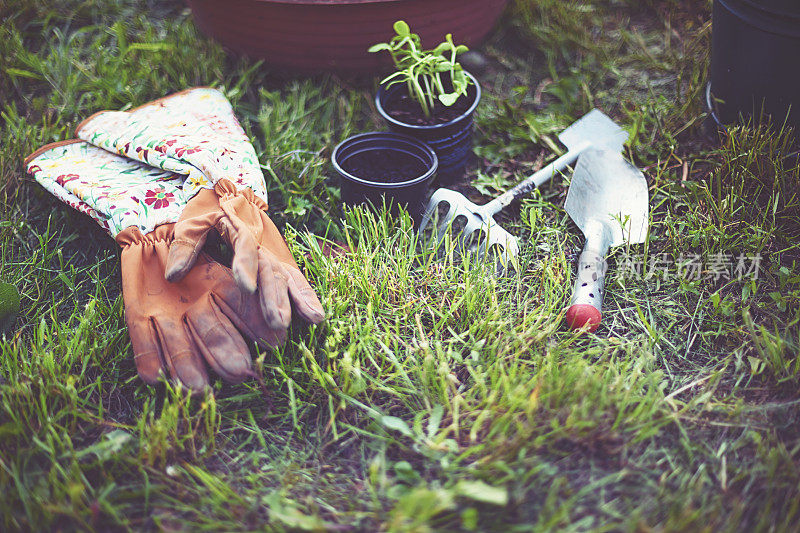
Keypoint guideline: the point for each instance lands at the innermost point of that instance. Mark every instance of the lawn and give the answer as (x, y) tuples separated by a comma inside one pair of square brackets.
[(435, 396)]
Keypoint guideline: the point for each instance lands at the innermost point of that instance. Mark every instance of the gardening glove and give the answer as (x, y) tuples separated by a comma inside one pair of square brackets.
[(176, 329), (261, 259), (196, 133)]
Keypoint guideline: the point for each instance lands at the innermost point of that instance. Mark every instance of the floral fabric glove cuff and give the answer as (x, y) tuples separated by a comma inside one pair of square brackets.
[(194, 133), (116, 192)]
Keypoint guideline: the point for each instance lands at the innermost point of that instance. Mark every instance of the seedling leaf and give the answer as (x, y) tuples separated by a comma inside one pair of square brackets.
[(401, 28), (448, 99)]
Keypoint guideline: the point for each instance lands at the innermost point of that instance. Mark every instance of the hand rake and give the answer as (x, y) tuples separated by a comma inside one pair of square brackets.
[(593, 130)]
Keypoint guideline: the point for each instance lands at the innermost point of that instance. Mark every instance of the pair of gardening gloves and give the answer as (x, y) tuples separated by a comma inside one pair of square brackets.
[(159, 178)]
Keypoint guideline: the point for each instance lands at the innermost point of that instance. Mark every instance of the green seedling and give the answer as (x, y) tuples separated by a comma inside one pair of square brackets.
[(423, 70)]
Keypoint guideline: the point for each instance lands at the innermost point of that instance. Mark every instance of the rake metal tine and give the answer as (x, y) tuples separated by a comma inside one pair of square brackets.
[(426, 218), (460, 241), (506, 259), (487, 238), (466, 234), (513, 245), (446, 220), (424, 222), (433, 206), (494, 234), (443, 229), (510, 251), (482, 247), (507, 243)]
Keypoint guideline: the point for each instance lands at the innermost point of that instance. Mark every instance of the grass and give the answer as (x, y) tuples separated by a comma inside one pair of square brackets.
[(434, 397)]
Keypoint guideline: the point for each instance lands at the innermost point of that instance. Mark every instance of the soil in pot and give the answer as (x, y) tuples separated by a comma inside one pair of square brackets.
[(401, 107), (384, 166), (407, 110)]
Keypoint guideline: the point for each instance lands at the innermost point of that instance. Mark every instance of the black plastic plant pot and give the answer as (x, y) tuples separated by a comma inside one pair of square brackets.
[(452, 140), (385, 168), (754, 64)]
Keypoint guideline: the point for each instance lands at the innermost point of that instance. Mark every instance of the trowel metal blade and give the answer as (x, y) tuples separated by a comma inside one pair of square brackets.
[(606, 189), (594, 128)]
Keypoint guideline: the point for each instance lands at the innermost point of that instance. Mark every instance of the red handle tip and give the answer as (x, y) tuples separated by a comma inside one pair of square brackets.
[(582, 314)]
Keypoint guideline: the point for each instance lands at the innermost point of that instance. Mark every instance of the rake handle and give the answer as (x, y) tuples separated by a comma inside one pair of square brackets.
[(532, 182)]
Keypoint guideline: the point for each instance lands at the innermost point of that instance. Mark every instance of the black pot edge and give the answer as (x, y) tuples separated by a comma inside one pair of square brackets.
[(713, 114), (382, 185), (467, 113), (723, 128), (767, 21), (711, 109)]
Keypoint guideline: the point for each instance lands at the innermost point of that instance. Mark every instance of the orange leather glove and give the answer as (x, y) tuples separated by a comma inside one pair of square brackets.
[(195, 133), (178, 328), (262, 262)]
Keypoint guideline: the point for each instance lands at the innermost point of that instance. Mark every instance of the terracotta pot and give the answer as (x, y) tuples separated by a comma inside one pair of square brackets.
[(335, 34)]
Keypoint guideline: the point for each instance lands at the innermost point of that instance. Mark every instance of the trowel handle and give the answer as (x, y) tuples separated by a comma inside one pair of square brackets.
[(532, 182), (587, 294)]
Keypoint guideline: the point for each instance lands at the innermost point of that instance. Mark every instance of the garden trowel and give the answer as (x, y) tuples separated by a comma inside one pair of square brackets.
[(608, 201), (592, 130)]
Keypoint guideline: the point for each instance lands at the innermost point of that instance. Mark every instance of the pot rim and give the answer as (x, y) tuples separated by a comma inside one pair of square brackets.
[(383, 185), (426, 127), (763, 18), (325, 2)]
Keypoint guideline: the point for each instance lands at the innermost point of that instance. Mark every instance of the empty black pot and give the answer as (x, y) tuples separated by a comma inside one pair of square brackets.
[(452, 141), (385, 167), (755, 63)]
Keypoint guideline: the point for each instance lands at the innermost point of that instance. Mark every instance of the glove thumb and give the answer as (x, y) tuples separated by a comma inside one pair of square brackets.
[(201, 214)]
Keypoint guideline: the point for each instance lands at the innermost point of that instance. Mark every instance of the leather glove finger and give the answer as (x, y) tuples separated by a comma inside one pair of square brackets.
[(190, 236), (259, 253), (278, 284), (218, 340), (277, 269), (305, 299), (273, 290), (245, 312), (306, 302), (201, 215), (146, 351), (245, 252), (179, 353), (253, 268)]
